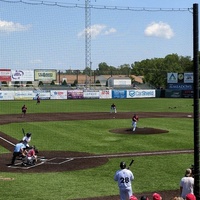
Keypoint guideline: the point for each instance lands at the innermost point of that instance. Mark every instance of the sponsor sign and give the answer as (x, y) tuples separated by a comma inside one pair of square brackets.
[(75, 94), (91, 95), (141, 93), (187, 93), (5, 75), (45, 74), (180, 86), (188, 78), (172, 77), (43, 94), (6, 95), (180, 77), (173, 93), (22, 75), (120, 94), (58, 94), (23, 95), (105, 94)]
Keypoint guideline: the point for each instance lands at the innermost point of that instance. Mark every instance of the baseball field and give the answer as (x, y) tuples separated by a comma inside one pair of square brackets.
[(81, 145)]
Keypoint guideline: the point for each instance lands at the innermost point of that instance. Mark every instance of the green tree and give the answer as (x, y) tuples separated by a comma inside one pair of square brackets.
[(40, 83), (155, 70), (64, 82), (52, 82)]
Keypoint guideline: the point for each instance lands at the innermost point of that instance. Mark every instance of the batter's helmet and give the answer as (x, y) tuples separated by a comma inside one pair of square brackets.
[(122, 165), (28, 134)]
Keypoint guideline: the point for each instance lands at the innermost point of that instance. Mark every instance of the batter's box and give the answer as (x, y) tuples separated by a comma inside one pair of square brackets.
[(58, 161)]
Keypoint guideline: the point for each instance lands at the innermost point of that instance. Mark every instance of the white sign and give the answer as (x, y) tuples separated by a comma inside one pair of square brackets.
[(141, 93), (58, 94), (22, 75), (25, 95), (188, 77), (105, 94), (91, 95), (6, 95)]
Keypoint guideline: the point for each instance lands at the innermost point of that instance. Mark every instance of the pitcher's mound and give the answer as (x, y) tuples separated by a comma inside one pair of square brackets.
[(144, 130)]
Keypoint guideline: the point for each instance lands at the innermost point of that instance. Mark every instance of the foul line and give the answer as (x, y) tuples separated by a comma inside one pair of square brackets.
[(7, 141)]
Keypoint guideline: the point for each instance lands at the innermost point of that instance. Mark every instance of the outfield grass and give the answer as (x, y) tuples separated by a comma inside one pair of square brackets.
[(93, 136)]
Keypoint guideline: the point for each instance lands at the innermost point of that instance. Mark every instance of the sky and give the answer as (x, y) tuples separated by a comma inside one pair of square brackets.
[(51, 35)]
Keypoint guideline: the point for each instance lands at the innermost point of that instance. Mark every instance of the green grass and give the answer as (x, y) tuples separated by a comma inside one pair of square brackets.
[(93, 136), (103, 105)]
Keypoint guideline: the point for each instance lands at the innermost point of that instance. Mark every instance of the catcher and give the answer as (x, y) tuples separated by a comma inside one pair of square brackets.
[(135, 119), (31, 156)]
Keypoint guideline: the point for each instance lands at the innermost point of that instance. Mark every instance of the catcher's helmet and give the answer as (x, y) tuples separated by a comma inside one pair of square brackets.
[(122, 165), (28, 134)]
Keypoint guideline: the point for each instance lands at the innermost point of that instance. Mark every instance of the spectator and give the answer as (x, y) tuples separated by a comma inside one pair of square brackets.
[(124, 177), (156, 196), (190, 197), (144, 198), (133, 198), (186, 184)]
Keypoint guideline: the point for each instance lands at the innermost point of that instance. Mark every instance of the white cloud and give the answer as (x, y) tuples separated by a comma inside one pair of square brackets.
[(110, 31), (159, 29), (8, 27), (96, 30)]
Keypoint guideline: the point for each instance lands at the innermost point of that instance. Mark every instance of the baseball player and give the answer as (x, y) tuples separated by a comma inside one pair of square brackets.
[(113, 108), (135, 119), (24, 108), (26, 139), (31, 156), (38, 100), (124, 177)]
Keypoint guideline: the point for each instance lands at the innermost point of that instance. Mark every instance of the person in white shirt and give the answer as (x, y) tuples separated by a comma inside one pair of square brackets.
[(124, 177), (187, 184)]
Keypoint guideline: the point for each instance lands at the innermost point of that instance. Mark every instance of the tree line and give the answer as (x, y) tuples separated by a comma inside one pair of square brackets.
[(154, 71)]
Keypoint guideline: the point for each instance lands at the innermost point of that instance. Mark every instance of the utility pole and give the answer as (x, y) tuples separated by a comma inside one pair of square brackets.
[(87, 37)]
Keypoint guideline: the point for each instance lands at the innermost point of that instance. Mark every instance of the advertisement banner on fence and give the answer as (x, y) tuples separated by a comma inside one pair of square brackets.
[(6, 95), (5, 75), (75, 94), (141, 93), (120, 94), (43, 94), (180, 86), (58, 94), (45, 74), (91, 95), (105, 94), (22, 75), (23, 95)]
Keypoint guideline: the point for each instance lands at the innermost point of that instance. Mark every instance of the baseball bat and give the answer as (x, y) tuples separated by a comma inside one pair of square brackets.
[(130, 163), (23, 131)]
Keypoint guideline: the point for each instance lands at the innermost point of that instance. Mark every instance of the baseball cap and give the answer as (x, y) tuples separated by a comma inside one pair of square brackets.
[(188, 172), (190, 197), (133, 197), (156, 196)]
